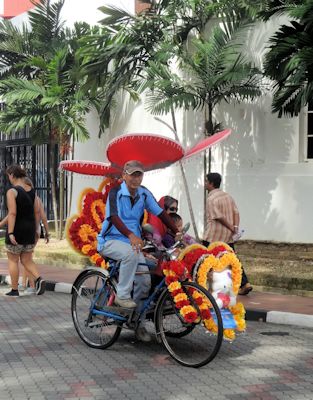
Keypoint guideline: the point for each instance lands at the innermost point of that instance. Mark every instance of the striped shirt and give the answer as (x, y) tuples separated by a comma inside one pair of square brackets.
[(219, 205)]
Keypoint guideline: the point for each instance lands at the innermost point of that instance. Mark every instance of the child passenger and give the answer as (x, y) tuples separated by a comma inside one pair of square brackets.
[(169, 237)]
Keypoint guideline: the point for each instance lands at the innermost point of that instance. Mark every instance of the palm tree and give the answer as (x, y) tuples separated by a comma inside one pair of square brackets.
[(213, 72), (289, 62), (141, 48), (42, 86)]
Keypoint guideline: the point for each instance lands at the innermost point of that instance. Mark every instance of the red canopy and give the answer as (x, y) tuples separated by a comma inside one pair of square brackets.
[(153, 151), (90, 168), (207, 143)]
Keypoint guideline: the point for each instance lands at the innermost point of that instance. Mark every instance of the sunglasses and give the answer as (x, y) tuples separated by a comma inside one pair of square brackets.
[(173, 209)]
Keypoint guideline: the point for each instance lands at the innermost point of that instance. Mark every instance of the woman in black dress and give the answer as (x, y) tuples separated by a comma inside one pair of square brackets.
[(21, 235)]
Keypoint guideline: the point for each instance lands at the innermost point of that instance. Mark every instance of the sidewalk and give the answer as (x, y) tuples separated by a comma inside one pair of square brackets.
[(260, 306)]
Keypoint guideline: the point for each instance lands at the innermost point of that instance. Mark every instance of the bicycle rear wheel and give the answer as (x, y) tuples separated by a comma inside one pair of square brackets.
[(94, 290), (197, 346)]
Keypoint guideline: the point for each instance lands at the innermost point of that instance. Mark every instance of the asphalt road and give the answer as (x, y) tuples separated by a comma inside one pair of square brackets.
[(42, 358)]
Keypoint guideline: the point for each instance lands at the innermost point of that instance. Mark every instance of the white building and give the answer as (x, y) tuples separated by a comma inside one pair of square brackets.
[(266, 163)]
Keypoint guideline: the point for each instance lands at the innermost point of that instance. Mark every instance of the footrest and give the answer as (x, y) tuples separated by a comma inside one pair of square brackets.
[(125, 312)]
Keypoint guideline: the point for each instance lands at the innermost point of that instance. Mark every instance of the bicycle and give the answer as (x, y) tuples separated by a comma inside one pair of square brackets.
[(99, 322)]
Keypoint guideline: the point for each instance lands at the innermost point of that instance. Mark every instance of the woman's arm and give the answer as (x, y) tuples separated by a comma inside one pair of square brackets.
[(37, 217), (11, 203), (44, 220), (4, 221)]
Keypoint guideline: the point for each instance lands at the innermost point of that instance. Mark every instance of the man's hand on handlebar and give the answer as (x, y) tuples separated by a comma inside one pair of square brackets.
[(136, 242)]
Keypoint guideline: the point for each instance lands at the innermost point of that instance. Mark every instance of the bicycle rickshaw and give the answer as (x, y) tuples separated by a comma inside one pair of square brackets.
[(99, 323)]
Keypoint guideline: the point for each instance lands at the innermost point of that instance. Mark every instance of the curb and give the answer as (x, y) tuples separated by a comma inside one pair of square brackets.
[(59, 287), (273, 317)]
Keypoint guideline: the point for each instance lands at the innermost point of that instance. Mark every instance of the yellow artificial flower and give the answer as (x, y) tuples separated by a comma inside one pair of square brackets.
[(186, 310), (238, 309), (241, 323), (86, 231), (174, 286), (229, 334), (106, 181), (180, 297), (97, 203), (86, 248), (208, 263), (210, 325)]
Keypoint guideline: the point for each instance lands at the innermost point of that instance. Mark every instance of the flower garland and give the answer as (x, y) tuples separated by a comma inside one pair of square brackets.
[(222, 256), (218, 265), (174, 272), (199, 261), (82, 229)]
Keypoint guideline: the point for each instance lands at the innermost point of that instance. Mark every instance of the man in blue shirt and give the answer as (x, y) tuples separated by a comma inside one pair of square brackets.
[(120, 237)]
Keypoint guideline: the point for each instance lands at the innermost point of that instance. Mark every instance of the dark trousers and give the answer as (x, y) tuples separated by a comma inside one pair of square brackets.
[(244, 278)]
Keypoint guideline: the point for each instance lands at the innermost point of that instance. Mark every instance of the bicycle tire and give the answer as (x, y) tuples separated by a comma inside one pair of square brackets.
[(198, 347), (96, 331)]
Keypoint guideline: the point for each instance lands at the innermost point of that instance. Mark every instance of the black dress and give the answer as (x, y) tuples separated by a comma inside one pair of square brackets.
[(25, 223)]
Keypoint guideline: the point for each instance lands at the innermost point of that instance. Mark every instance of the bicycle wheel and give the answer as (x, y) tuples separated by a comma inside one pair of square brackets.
[(198, 346), (94, 290)]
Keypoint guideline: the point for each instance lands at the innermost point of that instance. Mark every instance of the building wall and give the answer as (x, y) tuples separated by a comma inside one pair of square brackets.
[(262, 162)]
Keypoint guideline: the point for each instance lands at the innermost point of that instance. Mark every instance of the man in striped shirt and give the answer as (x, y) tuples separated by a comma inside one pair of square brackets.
[(222, 220)]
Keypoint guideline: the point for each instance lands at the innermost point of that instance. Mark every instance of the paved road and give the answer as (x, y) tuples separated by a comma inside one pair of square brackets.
[(42, 358)]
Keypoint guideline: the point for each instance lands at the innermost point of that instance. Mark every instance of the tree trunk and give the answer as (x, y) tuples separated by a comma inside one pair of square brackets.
[(185, 182), (61, 202), (53, 184), (71, 184), (207, 158)]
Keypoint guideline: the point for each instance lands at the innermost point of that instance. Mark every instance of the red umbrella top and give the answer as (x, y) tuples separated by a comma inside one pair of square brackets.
[(90, 168), (153, 151)]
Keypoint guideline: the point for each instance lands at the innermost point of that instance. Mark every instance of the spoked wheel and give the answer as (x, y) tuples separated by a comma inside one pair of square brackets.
[(192, 345), (94, 290)]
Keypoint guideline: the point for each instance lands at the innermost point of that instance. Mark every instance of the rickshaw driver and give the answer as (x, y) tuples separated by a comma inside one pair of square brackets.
[(120, 237)]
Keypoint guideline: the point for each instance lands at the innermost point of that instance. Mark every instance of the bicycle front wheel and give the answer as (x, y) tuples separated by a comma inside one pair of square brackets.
[(197, 346), (94, 291)]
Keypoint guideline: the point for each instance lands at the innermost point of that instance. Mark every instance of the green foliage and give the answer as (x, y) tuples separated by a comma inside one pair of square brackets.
[(213, 71), (289, 62), (120, 54), (42, 82)]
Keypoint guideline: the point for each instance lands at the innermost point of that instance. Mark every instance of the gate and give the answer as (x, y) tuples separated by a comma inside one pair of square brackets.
[(17, 148)]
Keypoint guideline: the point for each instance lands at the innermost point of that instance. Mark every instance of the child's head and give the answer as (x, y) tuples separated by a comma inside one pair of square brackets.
[(177, 220)]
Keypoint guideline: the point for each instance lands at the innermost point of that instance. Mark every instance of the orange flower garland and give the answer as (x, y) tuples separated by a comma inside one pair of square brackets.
[(226, 260), (174, 272), (82, 229)]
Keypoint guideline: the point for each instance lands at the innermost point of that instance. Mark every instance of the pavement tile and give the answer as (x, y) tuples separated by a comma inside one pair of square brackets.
[(49, 353)]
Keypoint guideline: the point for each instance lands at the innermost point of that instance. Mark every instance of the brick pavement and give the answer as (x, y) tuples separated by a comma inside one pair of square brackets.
[(42, 358)]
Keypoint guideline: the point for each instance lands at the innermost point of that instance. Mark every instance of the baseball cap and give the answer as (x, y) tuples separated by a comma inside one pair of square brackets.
[(133, 166)]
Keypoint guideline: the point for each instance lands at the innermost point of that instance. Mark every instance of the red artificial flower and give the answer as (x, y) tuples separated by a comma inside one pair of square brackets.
[(198, 301), (205, 314), (191, 317), (99, 261), (170, 279), (175, 292), (217, 250), (182, 303), (177, 267), (192, 257)]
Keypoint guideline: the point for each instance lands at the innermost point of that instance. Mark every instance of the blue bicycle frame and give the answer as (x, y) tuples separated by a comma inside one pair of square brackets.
[(94, 310)]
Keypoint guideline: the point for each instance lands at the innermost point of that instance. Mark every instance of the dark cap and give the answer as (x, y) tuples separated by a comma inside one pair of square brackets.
[(133, 166)]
